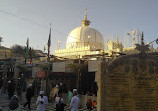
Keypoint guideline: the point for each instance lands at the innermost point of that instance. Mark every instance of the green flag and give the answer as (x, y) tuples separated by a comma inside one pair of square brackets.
[(44, 48), (27, 48)]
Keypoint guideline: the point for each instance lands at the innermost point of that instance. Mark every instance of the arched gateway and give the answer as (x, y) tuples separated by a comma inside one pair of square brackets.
[(129, 83)]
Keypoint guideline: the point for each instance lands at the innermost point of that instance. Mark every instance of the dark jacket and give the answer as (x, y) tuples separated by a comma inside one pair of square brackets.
[(29, 93), (11, 87), (14, 103)]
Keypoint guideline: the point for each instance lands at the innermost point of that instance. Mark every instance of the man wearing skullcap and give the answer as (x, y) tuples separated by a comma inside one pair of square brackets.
[(74, 101), (41, 102)]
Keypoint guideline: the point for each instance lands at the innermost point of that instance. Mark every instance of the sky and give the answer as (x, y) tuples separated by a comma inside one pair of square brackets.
[(20, 19)]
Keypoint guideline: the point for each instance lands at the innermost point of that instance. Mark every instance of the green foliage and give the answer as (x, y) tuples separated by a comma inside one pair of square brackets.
[(75, 67), (18, 50), (1, 40), (156, 50)]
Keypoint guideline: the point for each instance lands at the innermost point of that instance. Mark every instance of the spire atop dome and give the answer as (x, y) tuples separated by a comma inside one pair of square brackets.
[(85, 16), (85, 22)]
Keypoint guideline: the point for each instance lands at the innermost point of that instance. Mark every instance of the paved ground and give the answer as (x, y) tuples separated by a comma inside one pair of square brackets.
[(49, 107), (4, 103)]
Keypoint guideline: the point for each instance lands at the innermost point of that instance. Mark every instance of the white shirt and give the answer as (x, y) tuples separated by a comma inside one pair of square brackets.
[(41, 107), (57, 101), (59, 98), (74, 103)]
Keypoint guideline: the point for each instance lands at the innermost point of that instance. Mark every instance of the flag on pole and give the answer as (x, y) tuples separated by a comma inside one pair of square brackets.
[(44, 48), (30, 53), (49, 43), (49, 39), (27, 47)]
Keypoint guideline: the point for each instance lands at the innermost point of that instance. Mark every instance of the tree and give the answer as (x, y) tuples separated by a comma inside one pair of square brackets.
[(156, 50), (18, 50), (82, 76), (1, 40)]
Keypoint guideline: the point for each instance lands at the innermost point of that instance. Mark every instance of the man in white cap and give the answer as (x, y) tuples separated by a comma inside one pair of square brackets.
[(41, 102), (74, 101)]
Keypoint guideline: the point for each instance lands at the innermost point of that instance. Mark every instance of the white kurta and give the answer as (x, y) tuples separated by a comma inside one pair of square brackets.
[(74, 103), (41, 107)]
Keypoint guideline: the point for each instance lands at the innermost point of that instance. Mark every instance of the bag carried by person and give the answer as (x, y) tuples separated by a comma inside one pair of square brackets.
[(14, 103)]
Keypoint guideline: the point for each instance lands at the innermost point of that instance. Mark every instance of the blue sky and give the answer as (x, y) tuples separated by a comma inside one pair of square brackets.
[(111, 17)]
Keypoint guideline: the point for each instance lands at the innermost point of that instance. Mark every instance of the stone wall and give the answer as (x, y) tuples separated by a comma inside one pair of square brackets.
[(129, 83)]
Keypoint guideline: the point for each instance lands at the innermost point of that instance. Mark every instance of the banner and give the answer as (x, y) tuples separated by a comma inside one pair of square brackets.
[(58, 67), (93, 65)]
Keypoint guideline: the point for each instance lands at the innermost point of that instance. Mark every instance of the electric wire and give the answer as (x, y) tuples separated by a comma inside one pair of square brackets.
[(32, 22)]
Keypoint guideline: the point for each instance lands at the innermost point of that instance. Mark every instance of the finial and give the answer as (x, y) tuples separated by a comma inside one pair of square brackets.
[(85, 16), (85, 22), (142, 39)]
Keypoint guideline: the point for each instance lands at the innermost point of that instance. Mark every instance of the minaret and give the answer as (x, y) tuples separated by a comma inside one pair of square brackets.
[(117, 42), (85, 22)]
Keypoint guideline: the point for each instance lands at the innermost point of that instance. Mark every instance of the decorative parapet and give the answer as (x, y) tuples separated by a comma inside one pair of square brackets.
[(85, 44), (85, 48)]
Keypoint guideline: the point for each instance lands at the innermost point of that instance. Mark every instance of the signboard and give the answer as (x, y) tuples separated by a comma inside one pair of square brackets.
[(41, 73), (35, 71), (58, 67), (93, 65)]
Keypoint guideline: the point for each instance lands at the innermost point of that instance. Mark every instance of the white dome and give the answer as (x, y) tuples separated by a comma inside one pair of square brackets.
[(85, 36)]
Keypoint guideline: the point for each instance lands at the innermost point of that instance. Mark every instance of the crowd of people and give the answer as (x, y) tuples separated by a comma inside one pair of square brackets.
[(10, 86), (58, 101), (91, 105), (55, 96)]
